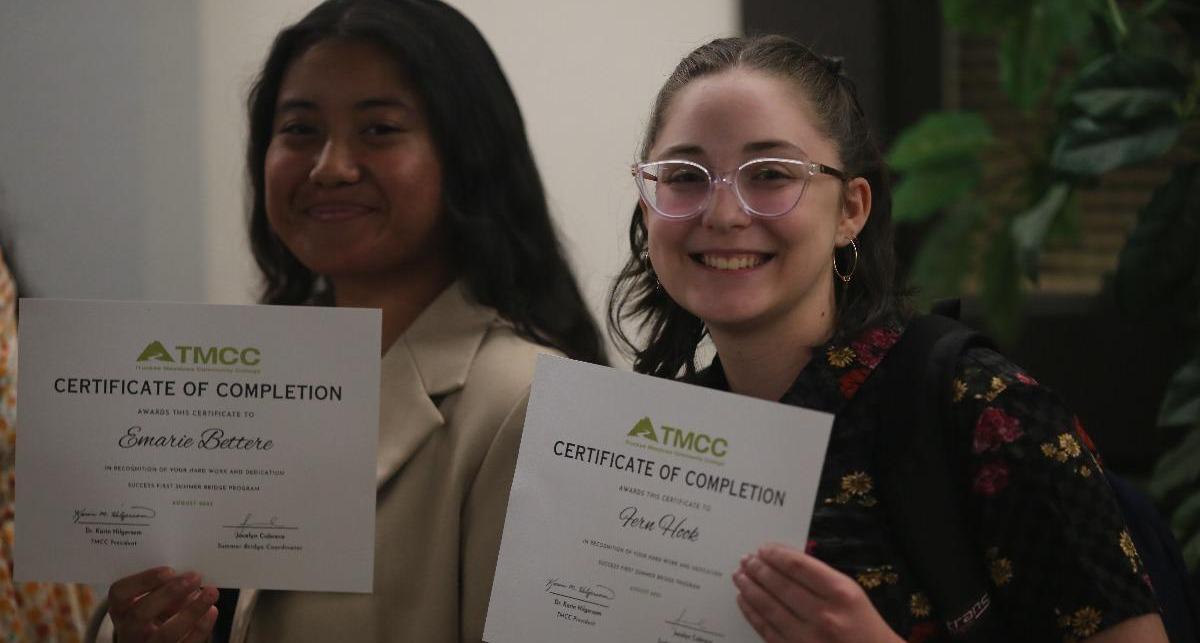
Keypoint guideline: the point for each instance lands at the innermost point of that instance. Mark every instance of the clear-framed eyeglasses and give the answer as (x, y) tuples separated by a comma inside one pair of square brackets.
[(766, 187)]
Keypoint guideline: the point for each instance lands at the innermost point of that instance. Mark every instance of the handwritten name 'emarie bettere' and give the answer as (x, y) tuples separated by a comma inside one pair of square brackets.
[(210, 439)]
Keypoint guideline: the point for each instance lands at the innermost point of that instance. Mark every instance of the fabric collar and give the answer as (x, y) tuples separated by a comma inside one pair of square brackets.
[(443, 340), (429, 361), (835, 373)]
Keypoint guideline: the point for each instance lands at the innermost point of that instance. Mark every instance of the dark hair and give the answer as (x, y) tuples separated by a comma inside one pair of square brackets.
[(672, 333), (494, 206)]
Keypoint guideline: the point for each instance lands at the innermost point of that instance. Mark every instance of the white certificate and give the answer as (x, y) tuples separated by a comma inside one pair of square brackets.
[(635, 498), (237, 441)]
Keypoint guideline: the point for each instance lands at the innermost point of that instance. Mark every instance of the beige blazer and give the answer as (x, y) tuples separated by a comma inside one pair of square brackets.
[(452, 404)]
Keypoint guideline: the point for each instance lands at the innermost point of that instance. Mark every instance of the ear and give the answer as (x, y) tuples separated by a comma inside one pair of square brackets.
[(856, 209), (647, 215)]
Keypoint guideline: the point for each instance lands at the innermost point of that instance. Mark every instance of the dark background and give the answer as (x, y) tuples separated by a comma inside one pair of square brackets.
[(1110, 370)]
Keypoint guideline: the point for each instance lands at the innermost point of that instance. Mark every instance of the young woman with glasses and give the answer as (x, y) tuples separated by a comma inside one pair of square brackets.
[(764, 225), (389, 168)]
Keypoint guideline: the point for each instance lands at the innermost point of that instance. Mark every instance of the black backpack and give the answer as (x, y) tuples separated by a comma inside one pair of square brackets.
[(921, 489)]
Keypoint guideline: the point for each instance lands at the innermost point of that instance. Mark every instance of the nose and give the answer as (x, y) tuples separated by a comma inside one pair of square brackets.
[(335, 165), (724, 211)]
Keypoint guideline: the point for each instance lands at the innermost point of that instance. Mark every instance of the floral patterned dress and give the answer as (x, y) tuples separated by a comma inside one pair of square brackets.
[(1061, 562), (29, 612)]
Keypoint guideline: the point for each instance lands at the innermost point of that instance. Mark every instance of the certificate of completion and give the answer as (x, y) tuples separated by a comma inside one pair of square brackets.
[(633, 501), (236, 441)]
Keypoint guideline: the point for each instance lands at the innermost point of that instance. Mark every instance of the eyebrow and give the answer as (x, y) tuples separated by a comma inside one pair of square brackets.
[(691, 149), (302, 104), (685, 149), (764, 146)]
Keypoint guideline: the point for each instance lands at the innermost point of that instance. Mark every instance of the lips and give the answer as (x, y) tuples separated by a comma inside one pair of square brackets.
[(732, 261), (337, 211)]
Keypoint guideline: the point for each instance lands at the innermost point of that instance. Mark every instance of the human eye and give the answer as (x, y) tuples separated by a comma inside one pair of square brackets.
[(772, 172), (382, 129), (681, 175), (296, 128)]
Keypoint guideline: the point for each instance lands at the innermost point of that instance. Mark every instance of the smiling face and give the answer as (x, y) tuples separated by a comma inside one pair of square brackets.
[(736, 272), (352, 174)]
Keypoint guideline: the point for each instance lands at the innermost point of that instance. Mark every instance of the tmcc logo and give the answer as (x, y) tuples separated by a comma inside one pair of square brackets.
[(693, 441), (224, 355)]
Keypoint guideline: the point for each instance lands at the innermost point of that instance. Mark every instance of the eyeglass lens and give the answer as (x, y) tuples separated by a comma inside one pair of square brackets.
[(767, 187)]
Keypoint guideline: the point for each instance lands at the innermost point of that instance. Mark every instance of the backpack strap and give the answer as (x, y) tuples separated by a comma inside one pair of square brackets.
[(922, 488), (1161, 559)]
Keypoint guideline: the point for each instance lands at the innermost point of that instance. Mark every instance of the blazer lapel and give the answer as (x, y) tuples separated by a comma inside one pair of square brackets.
[(406, 414), (428, 362)]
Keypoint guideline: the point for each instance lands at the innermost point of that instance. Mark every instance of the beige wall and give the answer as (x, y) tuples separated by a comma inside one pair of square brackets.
[(584, 72)]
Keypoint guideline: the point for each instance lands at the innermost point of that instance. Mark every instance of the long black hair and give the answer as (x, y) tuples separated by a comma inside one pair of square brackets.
[(493, 202), (671, 333)]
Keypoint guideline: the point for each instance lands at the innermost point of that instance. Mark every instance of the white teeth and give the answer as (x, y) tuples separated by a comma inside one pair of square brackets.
[(740, 262)]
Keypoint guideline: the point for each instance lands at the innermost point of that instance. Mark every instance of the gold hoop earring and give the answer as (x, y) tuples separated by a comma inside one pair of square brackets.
[(846, 277)]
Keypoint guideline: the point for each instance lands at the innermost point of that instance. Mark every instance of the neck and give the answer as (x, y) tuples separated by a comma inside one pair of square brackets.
[(401, 300), (763, 362)]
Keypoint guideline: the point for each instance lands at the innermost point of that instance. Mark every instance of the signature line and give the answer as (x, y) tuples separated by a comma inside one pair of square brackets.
[(118, 524), (581, 600), (256, 527), (687, 626)]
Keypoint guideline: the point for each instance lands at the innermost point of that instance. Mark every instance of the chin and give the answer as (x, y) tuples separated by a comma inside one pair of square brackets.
[(729, 314)]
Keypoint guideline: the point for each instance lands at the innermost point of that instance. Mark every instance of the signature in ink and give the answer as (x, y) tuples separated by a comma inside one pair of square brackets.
[(589, 593), (250, 523), (696, 625), (86, 516)]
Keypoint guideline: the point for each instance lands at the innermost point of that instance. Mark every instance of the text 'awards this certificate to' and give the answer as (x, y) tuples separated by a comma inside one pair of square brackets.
[(633, 501), (237, 441)]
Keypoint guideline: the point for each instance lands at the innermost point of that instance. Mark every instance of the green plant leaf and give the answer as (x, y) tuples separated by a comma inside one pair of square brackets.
[(926, 190), (946, 254), (1191, 551), (982, 17), (1178, 468), (1001, 288), (1117, 20), (1158, 261), (1186, 517), (1123, 103), (1029, 228), (1088, 147), (1125, 87), (1147, 38), (940, 139), (1152, 7), (1067, 227), (1181, 404), (1031, 47)]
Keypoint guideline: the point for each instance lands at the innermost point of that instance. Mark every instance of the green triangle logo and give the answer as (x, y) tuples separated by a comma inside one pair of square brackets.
[(155, 351), (644, 429)]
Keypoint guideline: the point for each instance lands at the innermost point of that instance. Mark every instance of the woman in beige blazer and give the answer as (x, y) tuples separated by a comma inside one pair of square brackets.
[(389, 168)]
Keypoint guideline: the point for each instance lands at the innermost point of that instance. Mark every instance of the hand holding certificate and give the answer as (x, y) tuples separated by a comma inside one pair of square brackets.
[(633, 500), (234, 440)]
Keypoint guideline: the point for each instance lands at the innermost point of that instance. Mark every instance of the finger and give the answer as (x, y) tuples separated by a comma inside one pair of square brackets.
[(123, 593), (204, 627), (162, 603), (817, 577), (188, 617), (756, 621), (795, 597), (774, 613)]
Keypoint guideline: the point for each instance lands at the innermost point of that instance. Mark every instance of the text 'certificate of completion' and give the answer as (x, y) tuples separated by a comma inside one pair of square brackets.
[(634, 499), (237, 441)]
